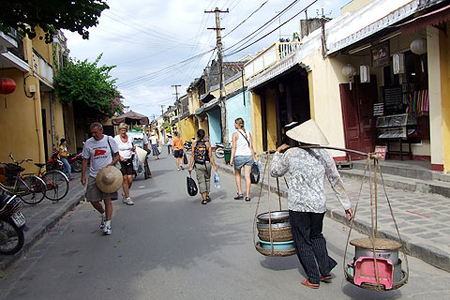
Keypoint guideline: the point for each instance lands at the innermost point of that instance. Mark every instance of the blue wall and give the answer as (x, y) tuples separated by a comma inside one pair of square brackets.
[(214, 126), (237, 109)]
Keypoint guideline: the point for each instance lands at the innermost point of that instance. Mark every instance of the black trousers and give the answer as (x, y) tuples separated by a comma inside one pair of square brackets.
[(310, 244)]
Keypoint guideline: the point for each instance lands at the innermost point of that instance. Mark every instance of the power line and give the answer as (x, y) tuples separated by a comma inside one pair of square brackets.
[(284, 23)]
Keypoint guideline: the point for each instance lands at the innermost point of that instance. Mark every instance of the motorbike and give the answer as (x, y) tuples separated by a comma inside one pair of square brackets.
[(219, 150), (12, 224), (75, 161), (54, 162)]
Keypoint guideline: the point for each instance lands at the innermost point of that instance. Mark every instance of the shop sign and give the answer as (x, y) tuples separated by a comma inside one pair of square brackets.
[(380, 55), (381, 150)]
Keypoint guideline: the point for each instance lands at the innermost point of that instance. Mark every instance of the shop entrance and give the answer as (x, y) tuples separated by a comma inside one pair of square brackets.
[(357, 110)]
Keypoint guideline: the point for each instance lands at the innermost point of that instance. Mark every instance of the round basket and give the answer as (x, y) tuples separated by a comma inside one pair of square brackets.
[(269, 252), (278, 235)]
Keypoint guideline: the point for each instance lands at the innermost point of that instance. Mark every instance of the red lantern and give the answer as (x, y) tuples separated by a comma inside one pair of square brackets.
[(7, 86)]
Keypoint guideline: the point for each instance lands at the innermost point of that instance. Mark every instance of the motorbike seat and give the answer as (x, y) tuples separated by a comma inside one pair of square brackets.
[(39, 165), (4, 200)]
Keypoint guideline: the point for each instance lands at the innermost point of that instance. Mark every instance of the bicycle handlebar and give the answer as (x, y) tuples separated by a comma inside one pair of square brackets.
[(19, 162)]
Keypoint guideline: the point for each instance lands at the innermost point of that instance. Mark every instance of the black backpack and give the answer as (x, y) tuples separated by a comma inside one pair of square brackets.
[(201, 154)]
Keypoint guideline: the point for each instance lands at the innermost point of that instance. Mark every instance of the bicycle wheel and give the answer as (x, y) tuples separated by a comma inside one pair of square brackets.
[(219, 152), (31, 189), (11, 237), (57, 185)]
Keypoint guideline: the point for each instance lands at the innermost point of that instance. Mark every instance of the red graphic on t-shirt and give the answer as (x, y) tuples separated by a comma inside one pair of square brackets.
[(99, 152)]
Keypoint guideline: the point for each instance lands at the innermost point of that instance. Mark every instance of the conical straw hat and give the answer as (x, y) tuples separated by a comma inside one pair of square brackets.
[(308, 133), (141, 154), (109, 179)]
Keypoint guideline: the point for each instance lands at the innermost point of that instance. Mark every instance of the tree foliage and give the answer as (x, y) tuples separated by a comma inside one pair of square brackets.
[(50, 15), (90, 87)]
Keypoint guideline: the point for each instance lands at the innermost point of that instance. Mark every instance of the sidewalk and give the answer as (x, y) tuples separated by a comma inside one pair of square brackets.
[(422, 217), (42, 217)]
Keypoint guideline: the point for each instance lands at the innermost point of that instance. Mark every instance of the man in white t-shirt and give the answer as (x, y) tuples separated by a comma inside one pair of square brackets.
[(102, 151)]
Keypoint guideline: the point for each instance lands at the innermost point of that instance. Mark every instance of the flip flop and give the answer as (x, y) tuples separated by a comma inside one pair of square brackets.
[(239, 196), (208, 199), (326, 278), (204, 202), (247, 199), (310, 285)]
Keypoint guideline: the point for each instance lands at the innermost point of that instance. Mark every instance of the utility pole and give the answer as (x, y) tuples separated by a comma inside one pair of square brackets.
[(162, 109), (223, 108), (177, 103)]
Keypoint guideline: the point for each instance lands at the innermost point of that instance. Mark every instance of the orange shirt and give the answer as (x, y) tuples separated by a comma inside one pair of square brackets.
[(177, 143)]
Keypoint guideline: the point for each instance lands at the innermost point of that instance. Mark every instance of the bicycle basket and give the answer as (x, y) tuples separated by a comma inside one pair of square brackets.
[(12, 171)]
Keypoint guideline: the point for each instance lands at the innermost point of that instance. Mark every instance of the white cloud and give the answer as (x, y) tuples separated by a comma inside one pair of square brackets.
[(145, 37)]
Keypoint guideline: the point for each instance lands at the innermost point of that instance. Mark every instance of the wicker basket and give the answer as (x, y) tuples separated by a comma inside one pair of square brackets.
[(278, 235), (269, 252)]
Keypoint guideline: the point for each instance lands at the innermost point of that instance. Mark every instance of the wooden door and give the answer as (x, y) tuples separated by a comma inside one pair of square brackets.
[(357, 112)]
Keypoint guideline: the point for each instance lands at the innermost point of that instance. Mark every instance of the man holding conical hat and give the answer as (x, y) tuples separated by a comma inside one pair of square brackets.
[(104, 179), (308, 168)]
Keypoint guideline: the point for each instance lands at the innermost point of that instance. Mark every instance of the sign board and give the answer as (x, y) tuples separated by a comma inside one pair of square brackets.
[(380, 55), (378, 109), (382, 150)]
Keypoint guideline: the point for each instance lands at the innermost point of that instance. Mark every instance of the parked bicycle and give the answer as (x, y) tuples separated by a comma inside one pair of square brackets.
[(56, 183), (30, 189), (12, 222)]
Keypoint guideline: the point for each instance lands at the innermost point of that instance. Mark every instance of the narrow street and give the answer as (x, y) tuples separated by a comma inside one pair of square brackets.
[(169, 246)]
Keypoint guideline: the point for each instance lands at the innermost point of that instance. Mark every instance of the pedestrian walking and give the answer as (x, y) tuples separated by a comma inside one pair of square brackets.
[(306, 198), (126, 152), (147, 171), (63, 155), (102, 151), (242, 156), (201, 160), (155, 145), (169, 144), (178, 151)]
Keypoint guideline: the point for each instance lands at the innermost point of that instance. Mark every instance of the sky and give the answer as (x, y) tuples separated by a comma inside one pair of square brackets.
[(157, 44)]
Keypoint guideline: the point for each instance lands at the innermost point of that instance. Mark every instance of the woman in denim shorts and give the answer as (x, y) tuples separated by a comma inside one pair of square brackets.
[(242, 155)]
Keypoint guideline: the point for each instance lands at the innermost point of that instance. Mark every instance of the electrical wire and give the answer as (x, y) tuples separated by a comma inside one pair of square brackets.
[(246, 19), (281, 25)]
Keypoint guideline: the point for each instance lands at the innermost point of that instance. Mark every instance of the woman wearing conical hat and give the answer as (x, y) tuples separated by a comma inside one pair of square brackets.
[(306, 198)]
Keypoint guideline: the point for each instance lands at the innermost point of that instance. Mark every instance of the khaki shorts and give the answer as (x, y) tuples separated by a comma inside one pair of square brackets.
[(94, 194)]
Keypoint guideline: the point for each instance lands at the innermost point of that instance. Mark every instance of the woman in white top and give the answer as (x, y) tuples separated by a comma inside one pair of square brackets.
[(242, 155), (126, 151)]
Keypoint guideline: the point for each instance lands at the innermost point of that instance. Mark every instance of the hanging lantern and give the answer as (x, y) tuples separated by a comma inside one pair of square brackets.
[(7, 85), (349, 71), (419, 46), (364, 71)]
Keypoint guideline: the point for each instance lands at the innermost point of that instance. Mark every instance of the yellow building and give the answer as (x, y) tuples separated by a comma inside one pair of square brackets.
[(376, 63), (32, 120)]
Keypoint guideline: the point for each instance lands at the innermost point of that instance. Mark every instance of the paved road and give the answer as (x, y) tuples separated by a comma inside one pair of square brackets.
[(169, 246)]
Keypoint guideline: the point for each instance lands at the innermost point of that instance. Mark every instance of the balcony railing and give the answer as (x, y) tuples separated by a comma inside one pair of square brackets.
[(276, 52), (42, 68)]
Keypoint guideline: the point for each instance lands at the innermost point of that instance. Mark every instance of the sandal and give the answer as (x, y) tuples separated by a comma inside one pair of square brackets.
[(208, 199), (247, 199), (326, 278), (310, 285), (204, 202), (239, 196)]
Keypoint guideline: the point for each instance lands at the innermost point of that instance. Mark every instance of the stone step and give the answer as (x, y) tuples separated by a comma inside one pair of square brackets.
[(404, 182)]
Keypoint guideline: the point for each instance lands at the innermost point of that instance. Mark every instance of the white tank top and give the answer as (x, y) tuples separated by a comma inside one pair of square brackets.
[(242, 147)]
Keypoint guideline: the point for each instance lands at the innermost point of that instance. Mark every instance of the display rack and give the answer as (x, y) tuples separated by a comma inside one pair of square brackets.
[(400, 129)]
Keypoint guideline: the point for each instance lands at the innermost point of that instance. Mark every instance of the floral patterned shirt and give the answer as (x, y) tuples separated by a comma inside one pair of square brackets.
[(307, 169)]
